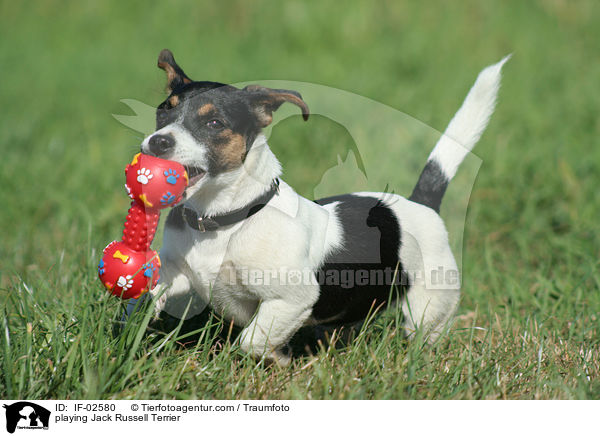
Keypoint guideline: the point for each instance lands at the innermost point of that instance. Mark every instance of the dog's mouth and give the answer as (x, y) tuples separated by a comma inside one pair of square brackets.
[(194, 174)]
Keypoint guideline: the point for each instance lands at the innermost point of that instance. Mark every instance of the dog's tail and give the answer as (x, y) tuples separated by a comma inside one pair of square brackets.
[(460, 137)]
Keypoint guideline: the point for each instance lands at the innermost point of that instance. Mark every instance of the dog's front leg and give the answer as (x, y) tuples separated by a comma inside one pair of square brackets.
[(273, 325)]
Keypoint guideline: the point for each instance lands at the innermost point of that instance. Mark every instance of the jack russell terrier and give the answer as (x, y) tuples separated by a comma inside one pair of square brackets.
[(246, 244)]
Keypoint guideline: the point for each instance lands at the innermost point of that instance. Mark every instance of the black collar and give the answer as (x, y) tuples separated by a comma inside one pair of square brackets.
[(209, 224)]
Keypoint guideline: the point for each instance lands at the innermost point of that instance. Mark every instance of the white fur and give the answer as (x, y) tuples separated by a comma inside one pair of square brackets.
[(465, 129), (294, 234)]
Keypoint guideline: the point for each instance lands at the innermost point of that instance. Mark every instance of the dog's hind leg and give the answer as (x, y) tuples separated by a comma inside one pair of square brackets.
[(432, 273), (429, 310)]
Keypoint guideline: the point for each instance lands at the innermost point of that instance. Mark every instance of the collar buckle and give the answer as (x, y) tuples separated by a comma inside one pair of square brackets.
[(206, 224), (201, 226)]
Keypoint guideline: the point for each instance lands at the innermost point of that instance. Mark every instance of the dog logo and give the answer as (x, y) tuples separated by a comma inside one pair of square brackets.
[(26, 415)]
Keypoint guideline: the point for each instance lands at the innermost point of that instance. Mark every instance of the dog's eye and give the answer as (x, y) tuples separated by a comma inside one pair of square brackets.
[(215, 124)]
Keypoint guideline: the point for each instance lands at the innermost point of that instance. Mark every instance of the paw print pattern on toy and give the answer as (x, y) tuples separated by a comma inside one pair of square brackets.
[(125, 282), (168, 198), (149, 269), (144, 176), (129, 267), (171, 176), (101, 269), (128, 189)]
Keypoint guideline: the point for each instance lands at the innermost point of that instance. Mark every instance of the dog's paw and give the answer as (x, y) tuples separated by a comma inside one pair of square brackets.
[(125, 282), (171, 176), (277, 357), (167, 199), (144, 176)]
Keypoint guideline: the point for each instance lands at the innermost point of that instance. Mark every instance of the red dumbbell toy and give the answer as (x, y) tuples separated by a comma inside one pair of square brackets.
[(129, 268)]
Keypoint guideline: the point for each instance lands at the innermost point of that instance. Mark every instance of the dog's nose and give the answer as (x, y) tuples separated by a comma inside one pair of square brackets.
[(160, 144)]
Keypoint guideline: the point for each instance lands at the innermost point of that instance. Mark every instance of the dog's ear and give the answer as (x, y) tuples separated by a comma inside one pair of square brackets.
[(175, 75), (265, 101)]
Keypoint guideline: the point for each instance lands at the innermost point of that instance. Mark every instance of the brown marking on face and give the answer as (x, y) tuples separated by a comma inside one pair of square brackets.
[(174, 100), (231, 150), (206, 109)]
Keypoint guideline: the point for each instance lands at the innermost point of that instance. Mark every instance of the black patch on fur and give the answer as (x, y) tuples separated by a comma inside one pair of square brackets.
[(431, 187), (371, 242), (175, 218)]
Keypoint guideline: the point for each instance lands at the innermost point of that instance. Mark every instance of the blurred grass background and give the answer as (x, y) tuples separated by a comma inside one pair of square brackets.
[(530, 264)]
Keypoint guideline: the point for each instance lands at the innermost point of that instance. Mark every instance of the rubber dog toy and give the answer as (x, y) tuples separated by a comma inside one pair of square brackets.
[(129, 268)]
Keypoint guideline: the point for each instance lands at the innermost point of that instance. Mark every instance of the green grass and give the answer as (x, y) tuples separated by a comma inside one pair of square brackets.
[(527, 326)]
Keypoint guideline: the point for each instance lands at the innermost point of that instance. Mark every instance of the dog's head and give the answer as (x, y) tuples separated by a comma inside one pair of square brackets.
[(210, 127)]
